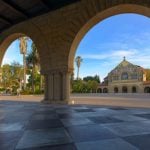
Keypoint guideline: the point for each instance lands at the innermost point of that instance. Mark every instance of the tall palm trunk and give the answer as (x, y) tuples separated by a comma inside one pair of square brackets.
[(24, 71), (23, 51), (77, 73)]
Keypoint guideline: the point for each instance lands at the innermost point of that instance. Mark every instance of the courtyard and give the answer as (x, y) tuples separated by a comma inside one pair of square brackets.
[(31, 125)]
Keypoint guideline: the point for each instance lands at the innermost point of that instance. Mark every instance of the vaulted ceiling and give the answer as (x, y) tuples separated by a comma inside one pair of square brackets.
[(16, 11)]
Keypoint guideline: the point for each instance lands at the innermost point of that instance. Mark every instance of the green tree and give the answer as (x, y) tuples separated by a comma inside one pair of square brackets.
[(6, 75), (78, 61), (92, 78), (92, 86), (77, 86), (12, 75)]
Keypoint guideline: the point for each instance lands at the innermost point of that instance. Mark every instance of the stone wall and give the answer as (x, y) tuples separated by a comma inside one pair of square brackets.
[(58, 33)]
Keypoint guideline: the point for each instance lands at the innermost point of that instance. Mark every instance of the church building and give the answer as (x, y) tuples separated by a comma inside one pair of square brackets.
[(126, 78)]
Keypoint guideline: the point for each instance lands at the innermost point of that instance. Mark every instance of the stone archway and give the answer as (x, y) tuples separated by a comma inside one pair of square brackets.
[(116, 90), (134, 89), (99, 90), (147, 90), (19, 31), (57, 35), (105, 90), (124, 89), (98, 17)]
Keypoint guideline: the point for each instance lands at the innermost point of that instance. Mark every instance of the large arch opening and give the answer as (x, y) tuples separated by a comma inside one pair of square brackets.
[(119, 9), (111, 12), (20, 66)]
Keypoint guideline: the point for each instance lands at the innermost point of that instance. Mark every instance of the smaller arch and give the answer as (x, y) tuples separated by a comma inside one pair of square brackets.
[(124, 89), (134, 89), (116, 90), (147, 89), (105, 90), (99, 90)]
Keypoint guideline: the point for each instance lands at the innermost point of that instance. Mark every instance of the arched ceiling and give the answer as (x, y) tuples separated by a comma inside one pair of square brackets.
[(16, 11)]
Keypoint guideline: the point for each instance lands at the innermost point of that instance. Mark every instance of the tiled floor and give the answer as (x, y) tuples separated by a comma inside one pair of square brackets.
[(36, 126)]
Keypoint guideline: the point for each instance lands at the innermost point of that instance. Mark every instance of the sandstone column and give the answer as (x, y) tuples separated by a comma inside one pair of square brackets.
[(57, 86), (66, 86), (50, 86)]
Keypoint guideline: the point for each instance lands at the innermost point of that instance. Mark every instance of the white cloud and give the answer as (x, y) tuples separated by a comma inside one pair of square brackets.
[(111, 55), (122, 53)]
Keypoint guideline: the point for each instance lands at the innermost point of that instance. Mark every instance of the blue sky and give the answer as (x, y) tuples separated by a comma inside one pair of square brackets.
[(105, 45), (13, 53)]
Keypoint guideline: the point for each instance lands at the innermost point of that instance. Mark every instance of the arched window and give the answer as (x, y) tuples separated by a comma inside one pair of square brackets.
[(124, 89), (105, 90), (99, 90), (134, 90), (124, 76), (116, 90)]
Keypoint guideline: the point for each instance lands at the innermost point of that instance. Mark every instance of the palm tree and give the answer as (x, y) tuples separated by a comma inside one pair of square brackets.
[(78, 61), (23, 51), (33, 61)]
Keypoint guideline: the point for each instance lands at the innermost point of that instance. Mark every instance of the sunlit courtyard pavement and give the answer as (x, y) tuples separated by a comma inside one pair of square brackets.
[(31, 125)]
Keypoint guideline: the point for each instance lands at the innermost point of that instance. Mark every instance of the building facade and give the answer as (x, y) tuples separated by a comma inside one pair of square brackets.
[(126, 78)]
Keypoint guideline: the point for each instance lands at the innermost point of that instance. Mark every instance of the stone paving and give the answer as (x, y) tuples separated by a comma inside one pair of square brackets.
[(37, 126)]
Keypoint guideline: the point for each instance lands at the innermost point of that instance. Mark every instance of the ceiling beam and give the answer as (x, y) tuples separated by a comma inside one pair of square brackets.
[(57, 4), (15, 8), (45, 4), (5, 20)]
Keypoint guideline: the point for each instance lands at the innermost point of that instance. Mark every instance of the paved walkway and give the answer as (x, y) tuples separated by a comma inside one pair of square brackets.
[(124, 100), (36, 126), (128, 100)]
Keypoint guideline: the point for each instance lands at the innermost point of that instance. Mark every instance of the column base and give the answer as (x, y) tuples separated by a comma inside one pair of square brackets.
[(46, 101)]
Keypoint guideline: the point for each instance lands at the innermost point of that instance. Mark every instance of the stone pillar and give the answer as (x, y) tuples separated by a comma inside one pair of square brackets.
[(50, 86), (57, 86), (66, 86)]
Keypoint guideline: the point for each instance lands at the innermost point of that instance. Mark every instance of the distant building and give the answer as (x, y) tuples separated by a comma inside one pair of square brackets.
[(126, 78)]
